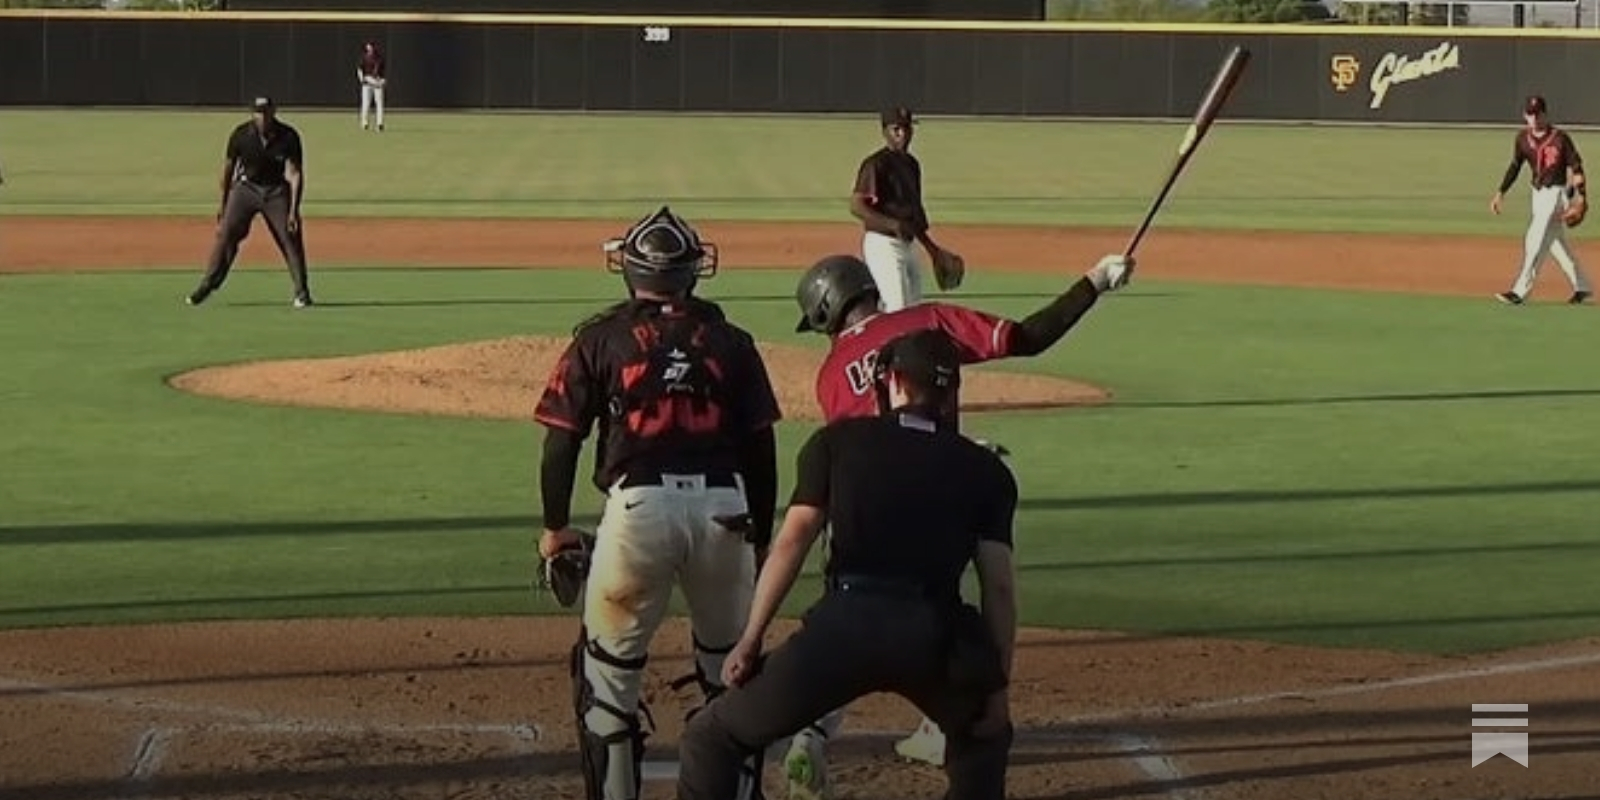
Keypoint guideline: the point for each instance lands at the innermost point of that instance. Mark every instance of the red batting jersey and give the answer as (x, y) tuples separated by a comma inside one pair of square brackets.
[(844, 383)]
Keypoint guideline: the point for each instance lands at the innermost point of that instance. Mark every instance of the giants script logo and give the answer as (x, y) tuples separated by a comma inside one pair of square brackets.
[(1394, 69)]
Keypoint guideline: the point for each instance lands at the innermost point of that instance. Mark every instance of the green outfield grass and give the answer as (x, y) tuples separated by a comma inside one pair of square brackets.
[(1337, 468), (1030, 172)]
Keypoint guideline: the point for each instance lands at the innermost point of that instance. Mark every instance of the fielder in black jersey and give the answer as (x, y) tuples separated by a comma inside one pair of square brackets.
[(687, 461)]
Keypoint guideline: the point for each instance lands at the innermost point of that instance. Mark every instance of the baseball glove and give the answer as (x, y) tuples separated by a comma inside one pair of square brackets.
[(949, 268), (563, 574), (1577, 209)]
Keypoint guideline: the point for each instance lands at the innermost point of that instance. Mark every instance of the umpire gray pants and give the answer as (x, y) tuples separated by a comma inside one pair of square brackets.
[(850, 645), (245, 201)]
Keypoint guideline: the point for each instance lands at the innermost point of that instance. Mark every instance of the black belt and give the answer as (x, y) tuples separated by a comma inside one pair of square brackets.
[(877, 585), (715, 479)]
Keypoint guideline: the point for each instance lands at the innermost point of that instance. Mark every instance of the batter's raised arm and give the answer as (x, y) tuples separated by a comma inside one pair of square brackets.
[(1043, 328)]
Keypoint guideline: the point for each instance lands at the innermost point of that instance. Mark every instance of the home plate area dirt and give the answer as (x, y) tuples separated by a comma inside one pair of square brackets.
[(480, 708)]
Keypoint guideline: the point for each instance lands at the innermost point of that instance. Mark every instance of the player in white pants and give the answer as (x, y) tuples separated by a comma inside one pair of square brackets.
[(372, 73), (684, 412), (1557, 180), (887, 199)]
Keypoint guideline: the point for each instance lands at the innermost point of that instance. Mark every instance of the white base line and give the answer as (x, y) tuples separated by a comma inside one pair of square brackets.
[(152, 744), (149, 752), (1343, 691), (1155, 765)]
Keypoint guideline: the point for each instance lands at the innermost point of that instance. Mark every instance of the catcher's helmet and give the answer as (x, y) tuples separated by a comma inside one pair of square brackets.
[(828, 289), (661, 254)]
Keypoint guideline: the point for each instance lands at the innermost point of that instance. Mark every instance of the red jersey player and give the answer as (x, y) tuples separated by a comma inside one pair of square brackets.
[(838, 298)]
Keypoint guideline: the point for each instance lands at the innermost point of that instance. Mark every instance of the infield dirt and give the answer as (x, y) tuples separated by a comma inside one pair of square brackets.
[(479, 708)]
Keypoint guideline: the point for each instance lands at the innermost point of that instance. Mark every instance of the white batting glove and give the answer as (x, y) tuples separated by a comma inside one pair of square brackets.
[(1112, 272)]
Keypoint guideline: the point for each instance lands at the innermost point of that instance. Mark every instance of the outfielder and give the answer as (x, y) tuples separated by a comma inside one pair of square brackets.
[(688, 463), (888, 201), (1560, 199), (839, 298), (371, 74)]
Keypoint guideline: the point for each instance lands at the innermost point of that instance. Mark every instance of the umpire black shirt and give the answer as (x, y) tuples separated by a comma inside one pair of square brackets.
[(261, 160), (905, 499)]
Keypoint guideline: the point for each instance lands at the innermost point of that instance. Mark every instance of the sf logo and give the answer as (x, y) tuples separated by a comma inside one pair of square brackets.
[(858, 373), (1345, 70)]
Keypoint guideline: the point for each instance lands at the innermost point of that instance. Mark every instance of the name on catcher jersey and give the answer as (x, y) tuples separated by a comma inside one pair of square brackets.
[(844, 383)]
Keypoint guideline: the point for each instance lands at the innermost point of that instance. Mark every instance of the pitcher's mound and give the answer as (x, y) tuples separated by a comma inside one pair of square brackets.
[(502, 379)]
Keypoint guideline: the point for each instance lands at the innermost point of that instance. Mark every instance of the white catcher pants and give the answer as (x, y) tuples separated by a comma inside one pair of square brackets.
[(895, 269), (371, 96), (1547, 236), (649, 539)]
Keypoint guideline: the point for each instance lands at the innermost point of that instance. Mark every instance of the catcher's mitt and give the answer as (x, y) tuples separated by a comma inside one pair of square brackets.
[(1577, 209), (563, 574), (949, 269)]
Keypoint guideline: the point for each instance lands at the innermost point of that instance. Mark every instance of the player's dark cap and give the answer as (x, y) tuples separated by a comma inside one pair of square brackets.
[(896, 116), (927, 359), (263, 103), (1535, 104)]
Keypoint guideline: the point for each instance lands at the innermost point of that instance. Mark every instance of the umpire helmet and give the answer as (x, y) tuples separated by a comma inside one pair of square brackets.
[(661, 254), (927, 363), (827, 291)]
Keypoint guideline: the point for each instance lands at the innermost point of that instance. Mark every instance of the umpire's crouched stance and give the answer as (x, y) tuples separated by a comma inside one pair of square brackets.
[(263, 173), (911, 504)]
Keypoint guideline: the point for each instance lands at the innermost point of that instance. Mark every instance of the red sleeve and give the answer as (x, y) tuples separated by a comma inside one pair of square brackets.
[(569, 396), (980, 336)]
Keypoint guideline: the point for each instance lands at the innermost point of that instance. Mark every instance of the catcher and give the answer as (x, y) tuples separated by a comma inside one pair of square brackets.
[(688, 463), (371, 72), (888, 202), (1560, 201)]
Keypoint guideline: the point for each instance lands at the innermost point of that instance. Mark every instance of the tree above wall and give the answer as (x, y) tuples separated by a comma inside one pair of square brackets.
[(1267, 11)]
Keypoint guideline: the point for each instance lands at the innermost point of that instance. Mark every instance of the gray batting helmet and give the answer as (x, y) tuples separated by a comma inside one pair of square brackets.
[(827, 291), (661, 253)]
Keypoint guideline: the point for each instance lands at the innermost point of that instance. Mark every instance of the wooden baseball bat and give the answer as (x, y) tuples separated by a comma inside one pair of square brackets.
[(1221, 87)]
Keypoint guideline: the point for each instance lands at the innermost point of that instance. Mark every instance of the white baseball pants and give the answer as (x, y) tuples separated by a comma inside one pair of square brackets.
[(1547, 236), (650, 538), (894, 268), (371, 96)]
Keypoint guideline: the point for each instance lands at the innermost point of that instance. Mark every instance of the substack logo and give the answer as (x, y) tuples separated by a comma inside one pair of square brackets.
[(1511, 744)]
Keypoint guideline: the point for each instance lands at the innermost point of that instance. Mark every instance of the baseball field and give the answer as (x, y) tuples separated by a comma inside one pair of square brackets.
[(1292, 502)]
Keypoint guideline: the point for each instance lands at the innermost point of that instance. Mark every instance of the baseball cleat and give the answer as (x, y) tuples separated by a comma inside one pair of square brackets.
[(926, 744), (1578, 298), (197, 297), (1509, 298), (806, 767), (302, 302)]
